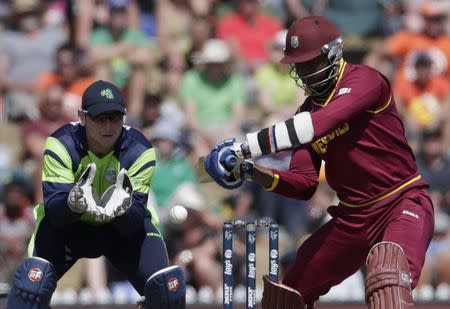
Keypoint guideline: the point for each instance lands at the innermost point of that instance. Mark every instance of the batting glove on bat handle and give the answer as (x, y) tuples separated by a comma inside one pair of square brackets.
[(229, 162), (220, 164)]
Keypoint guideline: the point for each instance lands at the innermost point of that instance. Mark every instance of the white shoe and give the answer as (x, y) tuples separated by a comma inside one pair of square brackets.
[(205, 295), (191, 295), (240, 294), (425, 293), (86, 297), (442, 292)]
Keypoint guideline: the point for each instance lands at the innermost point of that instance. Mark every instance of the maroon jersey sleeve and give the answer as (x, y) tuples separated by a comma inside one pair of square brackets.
[(363, 90), (302, 178)]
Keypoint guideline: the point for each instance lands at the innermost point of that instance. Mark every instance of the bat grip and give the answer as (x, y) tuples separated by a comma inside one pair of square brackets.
[(230, 161)]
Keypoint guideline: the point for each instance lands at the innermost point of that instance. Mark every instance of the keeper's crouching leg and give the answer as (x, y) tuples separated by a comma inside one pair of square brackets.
[(33, 285), (388, 281), (165, 289), (279, 296)]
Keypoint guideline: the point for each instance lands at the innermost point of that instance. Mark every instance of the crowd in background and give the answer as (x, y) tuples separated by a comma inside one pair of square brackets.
[(195, 72)]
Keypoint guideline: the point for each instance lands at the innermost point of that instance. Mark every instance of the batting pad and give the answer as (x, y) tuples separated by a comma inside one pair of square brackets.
[(33, 285), (166, 289)]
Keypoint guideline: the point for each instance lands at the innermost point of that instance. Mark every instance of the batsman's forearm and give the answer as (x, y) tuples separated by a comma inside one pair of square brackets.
[(284, 135), (262, 176), (285, 183)]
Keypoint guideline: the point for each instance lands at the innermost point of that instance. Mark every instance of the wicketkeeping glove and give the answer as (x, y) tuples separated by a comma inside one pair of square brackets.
[(117, 199), (83, 197)]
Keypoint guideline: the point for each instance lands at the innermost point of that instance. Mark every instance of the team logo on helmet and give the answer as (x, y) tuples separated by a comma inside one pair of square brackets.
[(294, 41)]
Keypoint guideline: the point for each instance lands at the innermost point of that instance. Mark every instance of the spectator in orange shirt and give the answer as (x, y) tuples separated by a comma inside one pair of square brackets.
[(421, 92), (249, 31), (68, 75), (401, 44), (420, 77)]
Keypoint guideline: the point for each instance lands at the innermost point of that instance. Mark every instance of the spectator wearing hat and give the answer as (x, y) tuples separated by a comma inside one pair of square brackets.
[(173, 169), (213, 95)]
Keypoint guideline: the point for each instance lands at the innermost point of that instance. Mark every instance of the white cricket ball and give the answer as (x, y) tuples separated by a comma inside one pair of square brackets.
[(178, 214)]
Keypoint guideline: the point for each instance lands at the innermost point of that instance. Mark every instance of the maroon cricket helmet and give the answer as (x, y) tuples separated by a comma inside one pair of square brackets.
[(307, 38)]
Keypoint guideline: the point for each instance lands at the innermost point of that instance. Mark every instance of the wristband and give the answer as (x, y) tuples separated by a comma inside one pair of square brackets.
[(276, 179)]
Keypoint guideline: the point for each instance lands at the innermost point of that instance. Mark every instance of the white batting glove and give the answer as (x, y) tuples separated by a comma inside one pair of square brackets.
[(83, 197), (117, 199)]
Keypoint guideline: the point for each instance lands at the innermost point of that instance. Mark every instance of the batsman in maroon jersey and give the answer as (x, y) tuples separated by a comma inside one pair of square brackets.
[(385, 217)]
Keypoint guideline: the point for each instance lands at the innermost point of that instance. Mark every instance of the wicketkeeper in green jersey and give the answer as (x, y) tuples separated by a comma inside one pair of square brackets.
[(96, 178)]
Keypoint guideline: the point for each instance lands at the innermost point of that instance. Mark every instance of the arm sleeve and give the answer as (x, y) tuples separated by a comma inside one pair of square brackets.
[(362, 92), (140, 173), (57, 180), (302, 178)]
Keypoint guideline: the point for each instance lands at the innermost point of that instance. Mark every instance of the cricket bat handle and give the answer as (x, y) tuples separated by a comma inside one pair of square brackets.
[(230, 162)]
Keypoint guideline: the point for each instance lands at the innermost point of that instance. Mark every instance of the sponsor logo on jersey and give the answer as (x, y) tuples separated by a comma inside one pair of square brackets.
[(409, 213), (344, 91)]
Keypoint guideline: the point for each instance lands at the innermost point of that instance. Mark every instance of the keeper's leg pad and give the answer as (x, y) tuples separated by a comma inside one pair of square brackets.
[(33, 285), (388, 281), (279, 296), (166, 289)]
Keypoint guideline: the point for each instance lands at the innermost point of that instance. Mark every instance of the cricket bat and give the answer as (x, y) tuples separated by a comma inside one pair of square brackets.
[(203, 175)]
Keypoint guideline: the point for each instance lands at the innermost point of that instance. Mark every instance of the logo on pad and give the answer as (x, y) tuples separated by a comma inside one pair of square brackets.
[(35, 274), (173, 284)]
